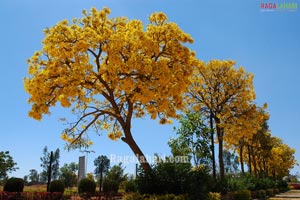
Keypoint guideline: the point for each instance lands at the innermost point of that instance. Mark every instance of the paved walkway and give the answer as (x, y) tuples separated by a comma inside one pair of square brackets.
[(289, 195)]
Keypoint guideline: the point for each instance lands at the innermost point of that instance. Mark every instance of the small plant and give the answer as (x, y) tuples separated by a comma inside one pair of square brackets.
[(86, 185), (130, 186), (214, 196), (276, 191), (110, 186), (57, 186), (261, 193), (241, 195), (14, 185), (282, 185), (270, 192), (133, 196)]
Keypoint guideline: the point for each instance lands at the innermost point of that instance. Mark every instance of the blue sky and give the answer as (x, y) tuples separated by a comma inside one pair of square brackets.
[(265, 43)]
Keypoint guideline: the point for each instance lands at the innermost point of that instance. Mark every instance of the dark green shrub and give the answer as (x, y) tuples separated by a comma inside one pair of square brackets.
[(276, 191), (270, 192), (240, 183), (165, 178), (130, 186), (57, 186), (282, 185), (241, 195), (86, 185), (199, 184), (261, 193), (264, 184), (166, 197), (254, 194), (110, 186), (220, 186), (14, 185)]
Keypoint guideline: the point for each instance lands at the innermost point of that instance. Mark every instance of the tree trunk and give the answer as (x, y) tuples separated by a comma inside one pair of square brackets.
[(128, 139), (249, 159), (49, 171), (100, 181), (242, 159), (212, 145), (254, 162), (221, 161), (220, 135)]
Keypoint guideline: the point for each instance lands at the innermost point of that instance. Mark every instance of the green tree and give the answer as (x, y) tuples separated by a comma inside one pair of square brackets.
[(33, 176), (231, 162), (50, 165), (193, 138), (102, 164), (113, 178), (7, 164), (68, 174)]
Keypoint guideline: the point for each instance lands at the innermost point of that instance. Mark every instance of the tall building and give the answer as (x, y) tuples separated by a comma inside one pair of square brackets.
[(81, 169)]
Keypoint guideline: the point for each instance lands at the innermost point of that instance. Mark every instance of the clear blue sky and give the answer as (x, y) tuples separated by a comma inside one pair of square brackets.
[(265, 43)]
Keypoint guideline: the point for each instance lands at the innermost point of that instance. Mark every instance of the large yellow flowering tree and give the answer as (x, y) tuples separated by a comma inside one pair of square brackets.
[(109, 70), (243, 128), (223, 92)]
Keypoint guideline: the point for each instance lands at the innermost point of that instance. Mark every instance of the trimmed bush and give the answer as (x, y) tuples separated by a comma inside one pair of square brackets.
[(86, 185), (282, 185), (57, 186), (261, 194), (214, 196), (241, 195), (14, 185), (199, 184), (264, 184), (276, 191), (110, 186), (270, 192), (130, 186)]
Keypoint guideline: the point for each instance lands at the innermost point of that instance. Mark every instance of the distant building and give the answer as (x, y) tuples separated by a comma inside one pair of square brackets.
[(81, 169)]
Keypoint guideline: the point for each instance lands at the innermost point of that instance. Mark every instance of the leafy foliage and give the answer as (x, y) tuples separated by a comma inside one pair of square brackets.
[(130, 186), (7, 164), (166, 177), (34, 177), (175, 178), (102, 164), (214, 196), (241, 195), (86, 185), (113, 178), (224, 93), (57, 186), (110, 70), (199, 183), (231, 162), (14, 185), (192, 140), (45, 159), (68, 174)]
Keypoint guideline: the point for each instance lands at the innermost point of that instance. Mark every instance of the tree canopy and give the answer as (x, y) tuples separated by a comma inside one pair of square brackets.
[(109, 70), (7, 164)]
